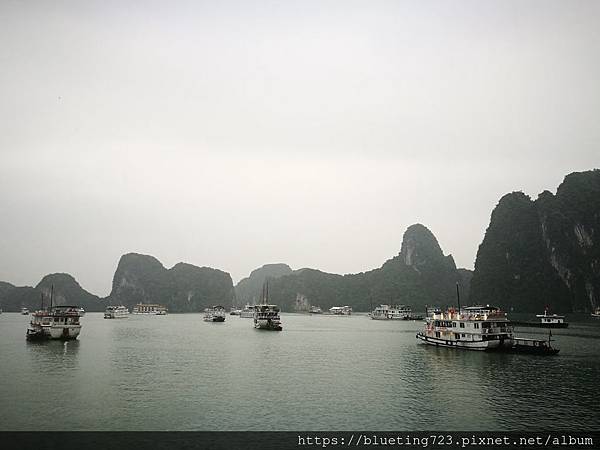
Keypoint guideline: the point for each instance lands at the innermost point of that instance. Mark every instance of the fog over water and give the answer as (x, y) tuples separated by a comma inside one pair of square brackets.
[(236, 133)]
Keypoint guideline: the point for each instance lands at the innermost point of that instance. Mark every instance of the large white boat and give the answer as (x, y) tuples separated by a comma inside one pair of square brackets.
[(214, 314), (116, 312), (248, 311), (470, 328), (57, 322), (340, 310), (391, 312), (150, 308), (266, 316)]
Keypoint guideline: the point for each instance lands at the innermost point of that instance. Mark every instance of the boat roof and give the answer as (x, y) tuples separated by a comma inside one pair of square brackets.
[(475, 307)]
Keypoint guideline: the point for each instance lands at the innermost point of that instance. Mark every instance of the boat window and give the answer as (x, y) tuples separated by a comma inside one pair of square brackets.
[(485, 325), (453, 324), (463, 335), (456, 335), (462, 325), (476, 325)]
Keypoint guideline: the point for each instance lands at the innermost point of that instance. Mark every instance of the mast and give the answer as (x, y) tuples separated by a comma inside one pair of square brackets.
[(51, 296), (458, 298), (42, 299)]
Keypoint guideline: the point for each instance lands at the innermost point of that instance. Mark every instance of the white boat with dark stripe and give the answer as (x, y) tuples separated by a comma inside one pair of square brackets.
[(470, 328)]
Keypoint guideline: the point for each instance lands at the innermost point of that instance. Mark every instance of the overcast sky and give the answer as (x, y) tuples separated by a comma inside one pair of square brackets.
[(232, 134)]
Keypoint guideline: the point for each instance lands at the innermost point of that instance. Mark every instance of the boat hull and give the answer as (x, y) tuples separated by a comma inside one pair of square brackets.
[(492, 345), (67, 333), (265, 324)]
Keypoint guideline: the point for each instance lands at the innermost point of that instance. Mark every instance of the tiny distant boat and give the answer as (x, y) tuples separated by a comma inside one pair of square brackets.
[(235, 311), (596, 313), (266, 316), (315, 310), (82, 312), (247, 312), (116, 312), (544, 321), (340, 310), (214, 314), (552, 320), (392, 312), (150, 309), (24, 311)]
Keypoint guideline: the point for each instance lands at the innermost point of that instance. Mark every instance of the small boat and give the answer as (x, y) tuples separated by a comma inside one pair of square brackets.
[(545, 321), (552, 320), (235, 311), (150, 309), (24, 311), (340, 310), (116, 312), (266, 316), (214, 314), (596, 313), (315, 310), (247, 312)]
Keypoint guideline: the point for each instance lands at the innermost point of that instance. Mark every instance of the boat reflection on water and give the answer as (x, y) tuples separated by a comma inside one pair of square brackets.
[(58, 354)]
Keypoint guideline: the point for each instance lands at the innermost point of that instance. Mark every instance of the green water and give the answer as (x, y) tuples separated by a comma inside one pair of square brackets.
[(177, 372)]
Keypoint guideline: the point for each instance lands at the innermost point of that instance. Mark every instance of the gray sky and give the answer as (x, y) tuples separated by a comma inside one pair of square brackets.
[(236, 133)]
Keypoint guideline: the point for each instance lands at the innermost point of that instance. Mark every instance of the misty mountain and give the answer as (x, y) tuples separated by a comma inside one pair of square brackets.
[(67, 291), (183, 288), (249, 289), (544, 252), (420, 274)]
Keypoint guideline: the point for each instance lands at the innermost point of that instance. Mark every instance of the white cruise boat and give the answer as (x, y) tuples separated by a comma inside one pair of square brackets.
[(214, 314), (57, 322), (266, 316), (248, 311), (116, 312), (340, 310), (473, 328), (150, 309), (391, 312), (551, 320), (315, 310)]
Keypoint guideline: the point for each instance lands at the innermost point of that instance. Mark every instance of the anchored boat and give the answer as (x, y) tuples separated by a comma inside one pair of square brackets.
[(470, 328), (248, 311), (214, 314), (266, 316), (116, 312), (341, 310), (150, 308), (392, 312), (55, 322)]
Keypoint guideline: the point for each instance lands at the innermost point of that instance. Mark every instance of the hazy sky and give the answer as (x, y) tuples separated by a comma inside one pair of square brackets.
[(236, 133)]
